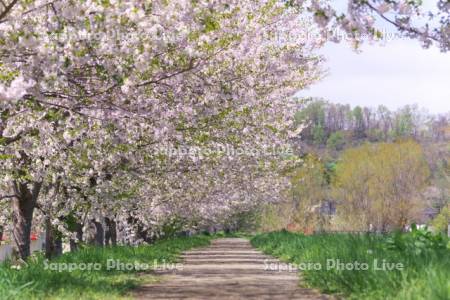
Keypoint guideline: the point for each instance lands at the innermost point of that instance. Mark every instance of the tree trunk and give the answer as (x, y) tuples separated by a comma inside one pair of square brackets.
[(74, 244), (144, 234), (227, 229), (111, 232), (98, 239), (141, 233), (210, 230), (23, 205), (53, 241), (1, 234), (58, 246)]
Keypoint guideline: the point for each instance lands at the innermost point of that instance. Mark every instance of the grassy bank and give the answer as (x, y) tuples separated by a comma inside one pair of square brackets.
[(425, 260), (40, 279)]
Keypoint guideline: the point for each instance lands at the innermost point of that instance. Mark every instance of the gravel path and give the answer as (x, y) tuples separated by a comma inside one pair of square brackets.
[(227, 269)]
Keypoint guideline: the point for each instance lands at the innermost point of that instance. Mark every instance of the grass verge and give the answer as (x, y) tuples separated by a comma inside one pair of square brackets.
[(425, 260), (38, 279)]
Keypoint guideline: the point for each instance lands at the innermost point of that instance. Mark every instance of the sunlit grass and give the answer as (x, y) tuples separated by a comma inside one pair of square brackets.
[(33, 281), (426, 262)]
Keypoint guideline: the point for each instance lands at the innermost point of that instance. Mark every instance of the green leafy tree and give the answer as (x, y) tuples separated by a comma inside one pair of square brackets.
[(313, 115), (379, 185), (359, 125), (336, 141), (441, 222), (309, 185)]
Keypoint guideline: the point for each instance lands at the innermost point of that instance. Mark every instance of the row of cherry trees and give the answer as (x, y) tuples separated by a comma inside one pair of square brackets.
[(136, 115), (124, 112)]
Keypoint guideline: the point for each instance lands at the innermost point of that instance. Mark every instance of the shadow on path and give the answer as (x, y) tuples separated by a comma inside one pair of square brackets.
[(228, 269)]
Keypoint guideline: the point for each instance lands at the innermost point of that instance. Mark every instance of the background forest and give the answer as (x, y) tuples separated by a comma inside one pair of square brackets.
[(367, 169)]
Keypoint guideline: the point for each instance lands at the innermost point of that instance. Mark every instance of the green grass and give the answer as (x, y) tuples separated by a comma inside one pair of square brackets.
[(33, 281), (425, 259)]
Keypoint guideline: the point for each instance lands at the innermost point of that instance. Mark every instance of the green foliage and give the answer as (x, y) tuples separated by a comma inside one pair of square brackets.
[(243, 221), (210, 24), (318, 135), (362, 124), (404, 123), (380, 184), (374, 135), (441, 222), (71, 222), (7, 75), (419, 241), (313, 115), (53, 115), (5, 156), (172, 227), (309, 186), (271, 217), (424, 276), (33, 281), (336, 141), (358, 118)]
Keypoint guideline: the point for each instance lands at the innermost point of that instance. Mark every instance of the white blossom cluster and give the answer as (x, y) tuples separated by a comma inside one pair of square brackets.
[(83, 110), (81, 118)]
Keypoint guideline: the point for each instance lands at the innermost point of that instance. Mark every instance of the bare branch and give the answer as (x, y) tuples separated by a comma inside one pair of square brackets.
[(7, 197), (8, 8)]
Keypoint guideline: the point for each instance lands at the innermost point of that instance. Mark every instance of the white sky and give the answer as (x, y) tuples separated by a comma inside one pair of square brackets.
[(400, 72)]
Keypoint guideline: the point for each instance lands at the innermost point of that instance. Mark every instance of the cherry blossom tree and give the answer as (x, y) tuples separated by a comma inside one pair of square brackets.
[(365, 18), (99, 101), (144, 113)]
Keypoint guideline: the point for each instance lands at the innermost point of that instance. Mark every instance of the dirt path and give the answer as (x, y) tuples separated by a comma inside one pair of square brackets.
[(227, 269)]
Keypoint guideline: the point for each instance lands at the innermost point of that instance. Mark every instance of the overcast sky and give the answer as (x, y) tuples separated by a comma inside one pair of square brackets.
[(398, 73)]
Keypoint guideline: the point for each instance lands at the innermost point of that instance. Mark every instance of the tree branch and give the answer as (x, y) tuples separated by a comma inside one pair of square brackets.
[(401, 27), (6, 197), (8, 8), (154, 81), (9, 140)]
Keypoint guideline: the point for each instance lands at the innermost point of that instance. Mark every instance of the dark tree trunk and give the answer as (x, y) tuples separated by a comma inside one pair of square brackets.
[(227, 229), (58, 246), (1, 234), (53, 241), (74, 244), (98, 238), (111, 232), (49, 238), (23, 205), (210, 230), (99, 234), (141, 233)]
